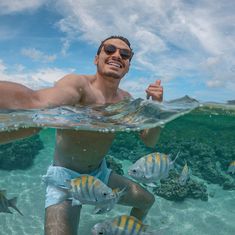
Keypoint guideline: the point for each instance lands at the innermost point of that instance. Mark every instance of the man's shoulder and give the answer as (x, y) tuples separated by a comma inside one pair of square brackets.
[(78, 79), (79, 76), (124, 94)]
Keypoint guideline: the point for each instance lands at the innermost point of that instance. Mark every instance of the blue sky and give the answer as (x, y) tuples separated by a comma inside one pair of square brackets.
[(187, 44)]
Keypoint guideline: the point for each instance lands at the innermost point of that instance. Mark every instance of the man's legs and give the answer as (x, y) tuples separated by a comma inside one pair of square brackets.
[(62, 219), (139, 198)]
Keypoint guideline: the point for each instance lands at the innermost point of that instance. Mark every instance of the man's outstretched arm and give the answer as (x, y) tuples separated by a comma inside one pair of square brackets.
[(67, 91), (10, 136), (16, 96)]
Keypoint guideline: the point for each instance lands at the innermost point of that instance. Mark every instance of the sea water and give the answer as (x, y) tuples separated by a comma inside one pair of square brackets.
[(204, 134)]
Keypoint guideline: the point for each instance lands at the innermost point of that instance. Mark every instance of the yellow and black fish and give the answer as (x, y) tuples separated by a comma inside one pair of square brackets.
[(152, 167), (125, 225), (87, 189), (109, 204)]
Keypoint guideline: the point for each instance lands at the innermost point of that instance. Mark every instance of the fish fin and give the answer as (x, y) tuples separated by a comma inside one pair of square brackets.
[(76, 202), (152, 185), (102, 210), (176, 157), (12, 203), (148, 176), (98, 210), (8, 211), (49, 181)]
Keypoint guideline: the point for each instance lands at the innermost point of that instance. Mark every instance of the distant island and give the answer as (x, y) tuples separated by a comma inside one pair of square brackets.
[(231, 102)]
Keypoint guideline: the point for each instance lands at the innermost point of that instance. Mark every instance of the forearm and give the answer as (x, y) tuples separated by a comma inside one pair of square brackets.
[(150, 136), (10, 136), (15, 96)]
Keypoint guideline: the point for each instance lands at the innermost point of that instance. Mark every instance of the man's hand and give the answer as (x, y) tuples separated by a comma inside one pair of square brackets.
[(155, 90)]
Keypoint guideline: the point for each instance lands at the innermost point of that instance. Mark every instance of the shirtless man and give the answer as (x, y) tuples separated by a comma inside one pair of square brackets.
[(83, 151)]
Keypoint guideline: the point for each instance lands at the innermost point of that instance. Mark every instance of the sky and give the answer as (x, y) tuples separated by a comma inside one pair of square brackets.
[(187, 44)]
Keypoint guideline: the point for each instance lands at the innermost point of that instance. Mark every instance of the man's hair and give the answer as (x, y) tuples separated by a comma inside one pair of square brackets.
[(115, 37)]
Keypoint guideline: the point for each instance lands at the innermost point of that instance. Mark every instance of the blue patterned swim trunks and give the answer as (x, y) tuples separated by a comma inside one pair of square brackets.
[(57, 176)]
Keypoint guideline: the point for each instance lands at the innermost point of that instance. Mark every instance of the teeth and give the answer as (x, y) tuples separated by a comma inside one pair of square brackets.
[(114, 64)]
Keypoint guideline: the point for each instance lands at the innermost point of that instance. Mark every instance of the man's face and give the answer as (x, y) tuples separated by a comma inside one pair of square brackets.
[(112, 65)]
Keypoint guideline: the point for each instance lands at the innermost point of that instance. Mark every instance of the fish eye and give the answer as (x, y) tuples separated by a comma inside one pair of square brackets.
[(134, 170), (105, 194)]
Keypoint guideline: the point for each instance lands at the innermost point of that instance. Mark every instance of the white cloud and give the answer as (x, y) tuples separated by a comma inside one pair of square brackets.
[(14, 6), (38, 55), (135, 87), (2, 66), (40, 78), (170, 38)]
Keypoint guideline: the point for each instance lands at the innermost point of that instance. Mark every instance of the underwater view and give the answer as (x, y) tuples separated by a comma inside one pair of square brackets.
[(190, 172)]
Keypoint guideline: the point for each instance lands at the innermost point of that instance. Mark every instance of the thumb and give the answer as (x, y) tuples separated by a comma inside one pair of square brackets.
[(158, 82)]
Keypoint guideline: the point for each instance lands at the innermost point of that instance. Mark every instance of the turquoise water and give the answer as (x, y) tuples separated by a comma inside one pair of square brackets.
[(206, 141)]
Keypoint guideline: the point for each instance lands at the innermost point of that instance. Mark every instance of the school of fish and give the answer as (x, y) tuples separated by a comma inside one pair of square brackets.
[(87, 189)]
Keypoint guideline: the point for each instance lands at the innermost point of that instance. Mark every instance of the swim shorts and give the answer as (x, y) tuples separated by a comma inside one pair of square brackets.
[(57, 176)]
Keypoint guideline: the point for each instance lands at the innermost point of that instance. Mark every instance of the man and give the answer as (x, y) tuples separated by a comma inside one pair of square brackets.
[(82, 152)]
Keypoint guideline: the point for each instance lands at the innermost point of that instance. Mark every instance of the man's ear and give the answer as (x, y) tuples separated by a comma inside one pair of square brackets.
[(96, 59)]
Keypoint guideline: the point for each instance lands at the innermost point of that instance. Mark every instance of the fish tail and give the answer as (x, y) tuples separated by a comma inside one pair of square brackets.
[(176, 157), (12, 203)]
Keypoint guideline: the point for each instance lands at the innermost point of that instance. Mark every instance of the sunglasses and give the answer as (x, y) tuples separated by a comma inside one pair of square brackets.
[(110, 49)]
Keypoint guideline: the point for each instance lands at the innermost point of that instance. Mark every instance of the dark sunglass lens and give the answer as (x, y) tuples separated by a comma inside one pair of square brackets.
[(125, 54), (110, 49)]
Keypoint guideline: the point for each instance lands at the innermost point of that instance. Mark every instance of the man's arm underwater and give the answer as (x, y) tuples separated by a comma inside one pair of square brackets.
[(10, 136), (151, 136)]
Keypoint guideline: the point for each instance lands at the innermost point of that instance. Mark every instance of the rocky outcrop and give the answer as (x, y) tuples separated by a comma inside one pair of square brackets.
[(170, 189), (20, 154)]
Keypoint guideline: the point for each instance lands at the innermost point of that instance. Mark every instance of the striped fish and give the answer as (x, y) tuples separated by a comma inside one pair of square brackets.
[(152, 167), (231, 168), (87, 189), (6, 203), (109, 205), (184, 176), (121, 225)]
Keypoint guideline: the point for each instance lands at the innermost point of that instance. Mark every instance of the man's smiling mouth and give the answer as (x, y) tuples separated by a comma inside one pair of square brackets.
[(115, 64)]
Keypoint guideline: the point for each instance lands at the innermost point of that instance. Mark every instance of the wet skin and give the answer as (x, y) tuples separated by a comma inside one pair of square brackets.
[(81, 151)]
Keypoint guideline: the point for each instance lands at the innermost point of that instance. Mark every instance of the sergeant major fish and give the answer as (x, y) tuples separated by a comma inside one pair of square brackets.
[(6, 203), (184, 176), (152, 167), (109, 205), (231, 168), (125, 225), (87, 189)]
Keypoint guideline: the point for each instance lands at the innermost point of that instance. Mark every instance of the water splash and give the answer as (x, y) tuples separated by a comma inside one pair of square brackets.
[(127, 115)]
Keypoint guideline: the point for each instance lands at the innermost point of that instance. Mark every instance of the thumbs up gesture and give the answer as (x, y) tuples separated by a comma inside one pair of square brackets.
[(155, 90)]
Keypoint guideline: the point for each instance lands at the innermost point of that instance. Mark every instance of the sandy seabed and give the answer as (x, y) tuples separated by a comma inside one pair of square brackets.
[(190, 217)]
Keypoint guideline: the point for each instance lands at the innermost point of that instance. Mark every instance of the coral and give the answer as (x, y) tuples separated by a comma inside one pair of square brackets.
[(170, 189), (204, 138), (20, 154), (114, 165)]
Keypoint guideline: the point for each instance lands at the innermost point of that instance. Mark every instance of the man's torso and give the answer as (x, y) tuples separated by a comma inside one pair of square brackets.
[(83, 151)]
